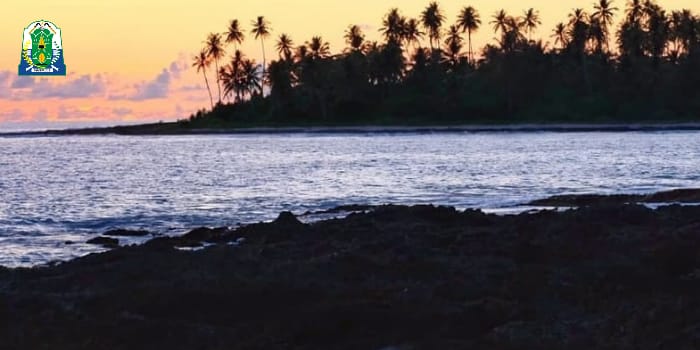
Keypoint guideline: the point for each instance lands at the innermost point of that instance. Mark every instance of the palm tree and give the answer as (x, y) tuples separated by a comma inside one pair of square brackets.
[(391, 63), (597, 34), (604, 13), (319, 48), (202, 62), (453, 35), (215, 50), (692, 33), (631, 33), (454, 44), (279, 76), (579, 30), (634, 10), (234, 34), (393, 26), (432, 19), (577, 16), (686, 30), (228, 75), (284, 46), (658, 25), (232, 76), (500, 21), (530, 21), (512, 35), (237, 64), (261, 29), (676, 23), (250, 80), (354, 38), (412, 33), (469, 20), (560, 35), (302, 53)]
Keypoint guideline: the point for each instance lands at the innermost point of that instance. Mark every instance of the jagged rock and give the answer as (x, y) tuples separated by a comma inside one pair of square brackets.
[(127, 233), (603, 276), (689, 195), (287, 219), (204, 234), (106, 242)]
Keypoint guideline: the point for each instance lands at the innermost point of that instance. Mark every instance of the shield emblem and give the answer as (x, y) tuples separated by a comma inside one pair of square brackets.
[(42, 51)]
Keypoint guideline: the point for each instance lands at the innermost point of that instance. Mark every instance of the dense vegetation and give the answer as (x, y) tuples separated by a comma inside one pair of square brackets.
[(647, 69)]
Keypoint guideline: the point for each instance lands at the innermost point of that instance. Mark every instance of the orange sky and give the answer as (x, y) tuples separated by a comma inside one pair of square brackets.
[(129, 60)]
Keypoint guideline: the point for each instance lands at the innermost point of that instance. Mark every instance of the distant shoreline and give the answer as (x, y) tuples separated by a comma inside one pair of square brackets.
[(174, 129)]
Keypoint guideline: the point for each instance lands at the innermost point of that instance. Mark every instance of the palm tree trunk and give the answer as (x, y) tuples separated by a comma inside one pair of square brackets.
[(262, 81), (471, 54), (218, 84), (211, 99)]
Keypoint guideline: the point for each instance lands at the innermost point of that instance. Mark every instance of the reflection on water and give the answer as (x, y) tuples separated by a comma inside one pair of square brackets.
[(62, 189)]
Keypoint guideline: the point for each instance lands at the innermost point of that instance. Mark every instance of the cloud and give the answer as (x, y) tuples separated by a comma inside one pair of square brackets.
[(30, 88), (193, 98), (160, 86), (121, 111), (83, 86), (194, 87), (40, 115), (4, 79), (177, 67), (91, 99), (74, 86), (22, 82), (76, 113), (116, 97), (156, 88), (13, 115)]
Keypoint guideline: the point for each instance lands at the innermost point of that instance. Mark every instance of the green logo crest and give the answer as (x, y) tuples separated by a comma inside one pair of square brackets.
[(42, 50)]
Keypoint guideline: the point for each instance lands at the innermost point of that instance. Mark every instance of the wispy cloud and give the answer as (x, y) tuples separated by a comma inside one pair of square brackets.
[(28, 88), (21, 82), (75, 113), (81, 99), (12, 115), (160, 86), (121, 111), (83, 86), (156, 88), (5, 91)]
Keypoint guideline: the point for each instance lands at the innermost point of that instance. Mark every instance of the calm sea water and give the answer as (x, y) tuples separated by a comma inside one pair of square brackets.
[(59, 189)]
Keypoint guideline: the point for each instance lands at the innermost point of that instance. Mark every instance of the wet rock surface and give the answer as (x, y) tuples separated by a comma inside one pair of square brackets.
[(608, 276), (127, 233), (107, 242), (689, 195)]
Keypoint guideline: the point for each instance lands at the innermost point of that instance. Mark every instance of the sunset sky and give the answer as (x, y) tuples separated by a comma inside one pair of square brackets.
[(130, 61)]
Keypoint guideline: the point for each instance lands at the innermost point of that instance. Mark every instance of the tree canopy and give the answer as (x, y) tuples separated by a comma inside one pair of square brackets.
[(647, 69)]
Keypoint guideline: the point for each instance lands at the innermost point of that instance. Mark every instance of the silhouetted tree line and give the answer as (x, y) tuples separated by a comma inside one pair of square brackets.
[(646, 69)]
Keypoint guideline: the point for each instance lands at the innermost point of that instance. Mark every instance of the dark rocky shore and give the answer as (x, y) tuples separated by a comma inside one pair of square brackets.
[(608, 275), (175, 128)]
